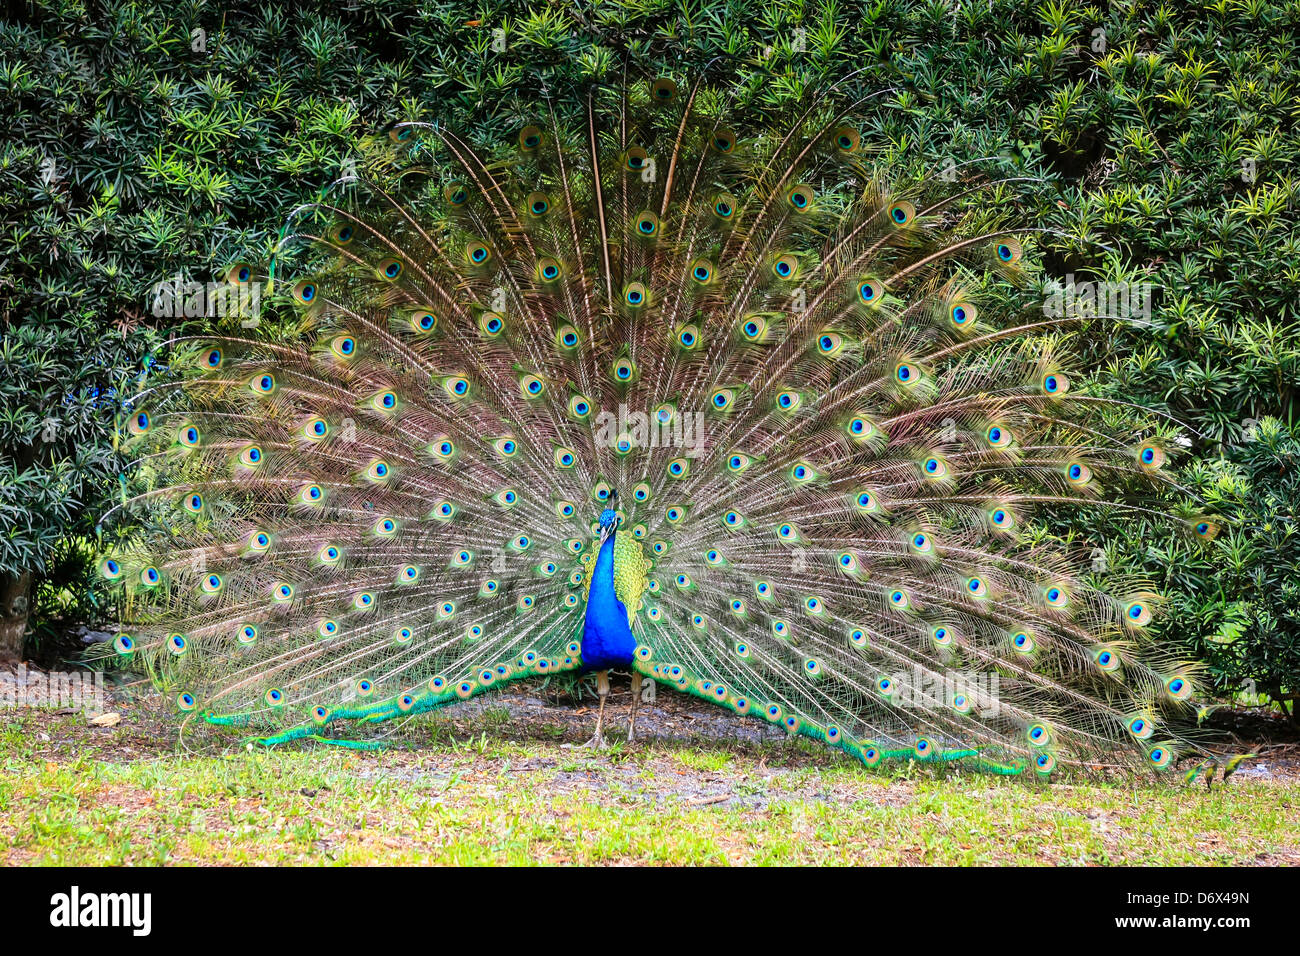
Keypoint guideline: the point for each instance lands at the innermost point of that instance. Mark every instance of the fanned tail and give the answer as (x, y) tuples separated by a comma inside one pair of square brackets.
[(840, 461)]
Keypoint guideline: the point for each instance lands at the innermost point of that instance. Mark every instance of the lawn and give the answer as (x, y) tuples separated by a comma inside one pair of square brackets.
[(503, 783)]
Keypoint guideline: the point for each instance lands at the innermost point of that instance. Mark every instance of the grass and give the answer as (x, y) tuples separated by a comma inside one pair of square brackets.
[(457, 794)]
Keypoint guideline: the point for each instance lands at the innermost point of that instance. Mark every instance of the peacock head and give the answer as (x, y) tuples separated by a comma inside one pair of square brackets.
[(608, 520)]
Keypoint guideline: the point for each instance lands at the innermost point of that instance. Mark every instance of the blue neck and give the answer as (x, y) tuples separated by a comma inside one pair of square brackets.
[(606, 639)]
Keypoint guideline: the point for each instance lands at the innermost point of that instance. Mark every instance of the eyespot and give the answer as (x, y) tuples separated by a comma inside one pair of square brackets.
[(305, 292), (548, 270), (623, 370), (899, 599), (781, 629), (193, 503), (645, 224), (1107, 659), (722, 399), (1008, 251), (688, 336), (858, 637), (241, 273), (1077, 473), (830, 344), (866, 502), (1023, 642), (942, 636), (814, 606), (846, 140), (724, 207), (642, 491), (177, 644), (1054, 383), (489, 587), (1056, 595), (1151, 457), (537, 204), (934, 467), (188, 436), (477, 253), (800, 197), (213, 358), (1137, 614), (724, 141), (316, 429), (1206, 530), (754, 328), (870, 291), (185, 701), (364, 688), (962, 315), (921, 543), (506, 447), (998, 436), (663, 90), (343, 346), (802, 473), (714, 557), (446, 609), (788, 401), (246, 634), (785, 266), (408, 574), (212, 584), (1141, 727), (150, 577), (906, 374), (423, 321), (530, 138), (443, 510), (733, 520), (506, 497), (1178, 687), (1038, 735), (521, 543), (378, 471), (601, 491), (764, 590), (1160, 757), (1001, 518), (455, 193), (674, 514), (847, 562), (566, 338), (679, 467), (263, 384), (282, 592), (258, 541), (385, 527), (491, 324), (683, 581), (462, 558), (1044, 764), (531, 386), (635, 159), (902, 213), (635, 295), (702, 271), (400, 134), (525, 603), (787, 532), (329, 554)]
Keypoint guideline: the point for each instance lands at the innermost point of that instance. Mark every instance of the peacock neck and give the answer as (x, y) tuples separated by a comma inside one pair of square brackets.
[(606, 638)]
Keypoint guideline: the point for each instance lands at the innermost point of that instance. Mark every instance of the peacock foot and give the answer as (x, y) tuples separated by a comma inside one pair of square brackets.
[(597, 742)]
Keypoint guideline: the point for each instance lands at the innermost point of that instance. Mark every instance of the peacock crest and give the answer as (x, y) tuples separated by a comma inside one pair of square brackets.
[(830, 459)]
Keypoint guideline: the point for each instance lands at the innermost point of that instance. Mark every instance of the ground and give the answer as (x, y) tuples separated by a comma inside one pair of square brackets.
[(501, 781)]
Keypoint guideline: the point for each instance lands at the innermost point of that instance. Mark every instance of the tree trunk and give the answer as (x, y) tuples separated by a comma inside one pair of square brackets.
[(15, 591)]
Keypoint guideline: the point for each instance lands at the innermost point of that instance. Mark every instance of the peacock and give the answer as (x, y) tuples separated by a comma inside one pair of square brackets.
[(734, 411)]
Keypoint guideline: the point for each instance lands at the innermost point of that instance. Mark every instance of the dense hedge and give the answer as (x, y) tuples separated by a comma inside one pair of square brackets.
[(143, 139)]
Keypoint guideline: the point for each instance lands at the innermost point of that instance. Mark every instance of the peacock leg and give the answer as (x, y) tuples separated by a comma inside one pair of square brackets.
[(597, 742), (636, 699)]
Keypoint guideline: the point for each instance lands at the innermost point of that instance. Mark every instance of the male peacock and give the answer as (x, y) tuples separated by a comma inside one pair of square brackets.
[(648, 393)]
